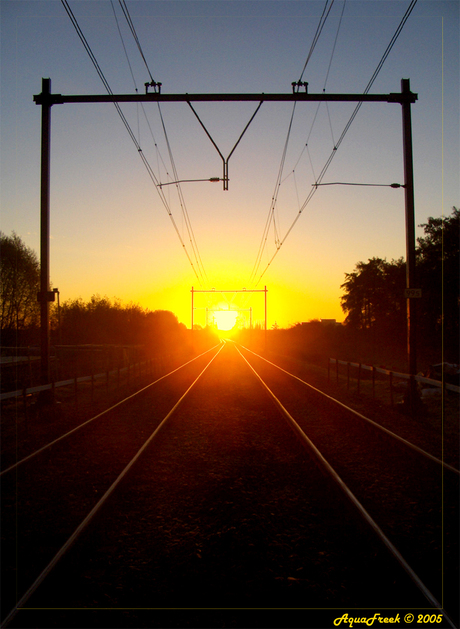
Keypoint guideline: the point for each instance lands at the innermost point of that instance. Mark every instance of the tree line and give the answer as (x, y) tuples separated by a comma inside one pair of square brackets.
[(76, 322), (374, 299), (373, 302), (105, 321)]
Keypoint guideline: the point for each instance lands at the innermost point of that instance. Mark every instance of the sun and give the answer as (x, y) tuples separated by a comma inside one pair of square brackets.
[(225, 319)]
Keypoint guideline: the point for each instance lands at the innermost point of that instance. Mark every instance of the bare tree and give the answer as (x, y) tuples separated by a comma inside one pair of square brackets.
[(20, 282)]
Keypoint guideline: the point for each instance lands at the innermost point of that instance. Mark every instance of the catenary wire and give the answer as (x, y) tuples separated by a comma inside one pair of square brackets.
[(123, 44), (271, 215), (319, 29), (125, 10), (329, 67), (185, 213), (191, 235), (130, 68), (129, 130), (279, 181), (344, 132), (159, 156)]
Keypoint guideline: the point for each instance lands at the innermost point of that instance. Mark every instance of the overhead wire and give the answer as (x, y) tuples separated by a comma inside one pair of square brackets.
[(270, 217), (130, 68), (344, 132), (159, 156), (271, 213), (185, 214), (319, 30), (330, 65), (129, 130), (335, 43), (324, 90), (127, 15)]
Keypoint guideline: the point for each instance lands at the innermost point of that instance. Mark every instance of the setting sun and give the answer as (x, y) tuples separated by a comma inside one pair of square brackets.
[(225, 319)]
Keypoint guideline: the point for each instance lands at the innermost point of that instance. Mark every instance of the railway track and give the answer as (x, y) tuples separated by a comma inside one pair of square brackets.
[(412, 494), (223, 507), (49, 492)]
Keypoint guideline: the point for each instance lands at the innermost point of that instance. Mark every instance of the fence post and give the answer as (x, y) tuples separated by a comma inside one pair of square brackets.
[(24, 399), (92, 376), (30, 366)]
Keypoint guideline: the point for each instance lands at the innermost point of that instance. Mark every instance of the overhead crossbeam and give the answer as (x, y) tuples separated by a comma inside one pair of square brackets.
[(405, 98), (60, 99)]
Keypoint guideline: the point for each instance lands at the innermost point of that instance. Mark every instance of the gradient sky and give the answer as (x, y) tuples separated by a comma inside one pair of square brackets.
[(110, 232)]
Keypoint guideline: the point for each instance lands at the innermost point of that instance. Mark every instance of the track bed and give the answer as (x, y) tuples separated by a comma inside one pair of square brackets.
[(225, 513)]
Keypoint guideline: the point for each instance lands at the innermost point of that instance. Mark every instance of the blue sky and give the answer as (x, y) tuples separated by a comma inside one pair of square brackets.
[(111, 234)]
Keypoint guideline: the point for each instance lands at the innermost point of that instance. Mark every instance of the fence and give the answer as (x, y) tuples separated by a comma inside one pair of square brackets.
[(88, 364), (394, 377)]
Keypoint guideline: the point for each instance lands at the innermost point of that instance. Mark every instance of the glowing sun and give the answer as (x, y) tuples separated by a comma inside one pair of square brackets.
[(225, 319)]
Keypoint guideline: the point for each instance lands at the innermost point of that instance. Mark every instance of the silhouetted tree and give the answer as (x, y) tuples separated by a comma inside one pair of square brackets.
[(374, 295), (165, 331), (438, 269), (374, 292), (73, 322), (20, 282), (102, 321)]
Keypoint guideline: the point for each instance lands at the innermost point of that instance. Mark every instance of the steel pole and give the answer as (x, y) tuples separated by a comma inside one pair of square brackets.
[(410, 236), (45, 230)]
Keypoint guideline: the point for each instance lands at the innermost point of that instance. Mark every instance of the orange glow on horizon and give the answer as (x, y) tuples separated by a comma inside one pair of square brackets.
[(288, 303)]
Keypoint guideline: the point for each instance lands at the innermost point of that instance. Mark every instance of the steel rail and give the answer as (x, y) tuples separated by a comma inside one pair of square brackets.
[(82, 526), (409, 444), (107, 410), (351, 497)]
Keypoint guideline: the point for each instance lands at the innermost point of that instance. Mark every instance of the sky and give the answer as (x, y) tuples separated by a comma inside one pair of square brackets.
[(113, 233)]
